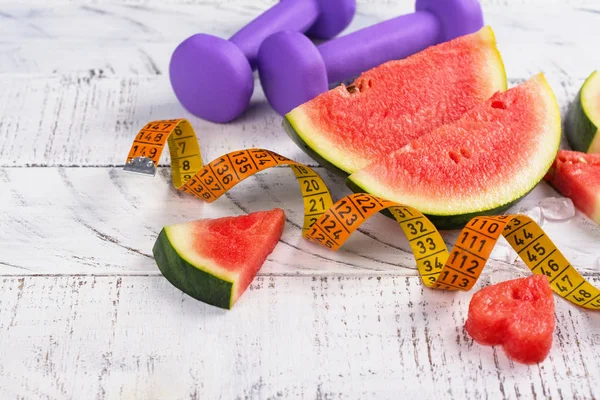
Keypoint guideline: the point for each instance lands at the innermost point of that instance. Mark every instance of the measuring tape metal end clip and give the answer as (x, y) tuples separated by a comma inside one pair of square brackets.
[(140, 165)]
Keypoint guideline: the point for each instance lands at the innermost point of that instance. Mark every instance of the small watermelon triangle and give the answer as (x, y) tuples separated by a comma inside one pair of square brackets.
[(577, 175), (215, 260)]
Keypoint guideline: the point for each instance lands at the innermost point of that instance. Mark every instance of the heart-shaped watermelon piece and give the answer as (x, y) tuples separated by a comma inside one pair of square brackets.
[(517, 314)]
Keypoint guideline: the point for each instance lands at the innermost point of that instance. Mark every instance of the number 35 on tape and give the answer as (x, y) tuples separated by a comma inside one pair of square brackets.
[(330, 224)]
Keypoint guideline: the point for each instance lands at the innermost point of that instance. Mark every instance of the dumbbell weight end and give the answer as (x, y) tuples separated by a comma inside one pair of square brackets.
[(212, 77)]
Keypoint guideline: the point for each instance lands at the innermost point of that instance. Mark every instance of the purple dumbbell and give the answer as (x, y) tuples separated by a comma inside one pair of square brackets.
[(293, 70), (212, 77)]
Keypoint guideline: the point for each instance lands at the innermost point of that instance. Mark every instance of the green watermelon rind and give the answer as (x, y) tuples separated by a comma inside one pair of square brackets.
[(289, 127), (296, 125), (200, 282), (447, 222), (582, 122)]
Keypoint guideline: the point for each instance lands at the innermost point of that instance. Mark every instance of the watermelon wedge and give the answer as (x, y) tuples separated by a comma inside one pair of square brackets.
[(480, 164), (577, 175), (582, 123), (215, 260), (386, 107), (517, 314)]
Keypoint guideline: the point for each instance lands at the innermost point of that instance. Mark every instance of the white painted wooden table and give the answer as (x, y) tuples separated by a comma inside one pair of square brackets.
[(84, 311)]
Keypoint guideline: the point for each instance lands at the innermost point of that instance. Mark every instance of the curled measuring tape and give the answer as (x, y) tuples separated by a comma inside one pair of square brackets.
[(330, 224)]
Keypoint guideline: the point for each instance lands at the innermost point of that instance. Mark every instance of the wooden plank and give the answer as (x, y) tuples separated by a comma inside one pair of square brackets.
[(167, 21), (91, 121), (90, 107), (41, 39), (103, 221), (154, 22), (540, 48), (64, 56), (287, 337)]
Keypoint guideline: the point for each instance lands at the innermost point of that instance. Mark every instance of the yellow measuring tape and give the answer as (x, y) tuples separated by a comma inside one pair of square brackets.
[(330, 224)]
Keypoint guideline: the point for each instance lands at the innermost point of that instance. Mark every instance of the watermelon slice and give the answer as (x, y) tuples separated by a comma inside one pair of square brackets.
[(582, 122), (388, 106), (517, 314), (481, 164), (214, 260), (577, 175)]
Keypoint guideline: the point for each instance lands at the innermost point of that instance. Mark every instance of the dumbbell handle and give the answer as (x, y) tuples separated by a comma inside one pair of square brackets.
[(295, 15), (349, 55)]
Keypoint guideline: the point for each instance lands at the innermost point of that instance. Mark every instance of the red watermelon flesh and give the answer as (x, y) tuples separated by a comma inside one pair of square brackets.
[(577, 175), (517, 314), (215, 260), (389, 105), (234, 242), (494, 154)]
